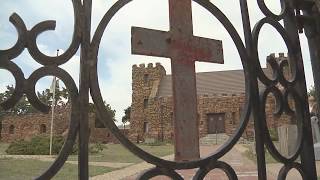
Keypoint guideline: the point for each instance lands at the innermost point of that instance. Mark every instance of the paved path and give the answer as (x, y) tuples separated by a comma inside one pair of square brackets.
[(245, 168), (126, 173)]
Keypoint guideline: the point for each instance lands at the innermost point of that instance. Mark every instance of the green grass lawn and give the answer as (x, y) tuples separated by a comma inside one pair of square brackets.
[(118, 153), (16, 169), (13, 169), (3, 147)]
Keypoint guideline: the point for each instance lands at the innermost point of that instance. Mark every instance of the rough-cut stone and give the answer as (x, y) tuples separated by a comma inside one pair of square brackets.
[(151, 114), (16, 127)]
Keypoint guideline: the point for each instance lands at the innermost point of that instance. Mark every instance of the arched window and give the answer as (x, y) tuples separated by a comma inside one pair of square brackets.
[(11, 129), (43, 128)]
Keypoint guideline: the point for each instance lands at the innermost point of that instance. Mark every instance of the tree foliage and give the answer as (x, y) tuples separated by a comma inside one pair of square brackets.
[(61, 98), (110, 112), (312, 92), (23, 106), (126, 117)]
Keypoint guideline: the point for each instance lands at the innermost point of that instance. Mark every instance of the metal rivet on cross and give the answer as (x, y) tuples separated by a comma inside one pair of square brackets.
[(184, 49)]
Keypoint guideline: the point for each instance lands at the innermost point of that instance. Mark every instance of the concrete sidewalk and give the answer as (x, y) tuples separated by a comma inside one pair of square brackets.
[(245, 168), (128, 172)]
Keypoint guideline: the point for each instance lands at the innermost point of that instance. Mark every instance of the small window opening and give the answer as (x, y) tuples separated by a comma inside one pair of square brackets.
[(43, 128), (145, 127), (11, 129)]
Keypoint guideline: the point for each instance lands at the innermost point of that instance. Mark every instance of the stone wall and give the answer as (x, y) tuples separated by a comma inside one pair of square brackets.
[(154, 119), (15, 127), (29, 125), (159, 116)]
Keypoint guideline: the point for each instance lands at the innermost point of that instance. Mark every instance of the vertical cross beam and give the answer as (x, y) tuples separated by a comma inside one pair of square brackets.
[(186, 127), (184, 49)]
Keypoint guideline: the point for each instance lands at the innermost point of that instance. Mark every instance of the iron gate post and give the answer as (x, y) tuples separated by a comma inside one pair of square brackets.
[(255, 107), (312, 32), (84, 86), (291, 23)]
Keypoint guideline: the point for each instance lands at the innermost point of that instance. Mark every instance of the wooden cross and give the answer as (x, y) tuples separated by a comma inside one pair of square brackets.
[(184, 49)]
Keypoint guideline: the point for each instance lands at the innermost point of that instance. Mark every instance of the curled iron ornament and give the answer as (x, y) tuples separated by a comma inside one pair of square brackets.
[(268, 13), (50, 25), (226, 168), (150, 173), (17, 49), (27, 39), (286, 169), (98, 100), (291, 49), (272, 85), (281, 102)]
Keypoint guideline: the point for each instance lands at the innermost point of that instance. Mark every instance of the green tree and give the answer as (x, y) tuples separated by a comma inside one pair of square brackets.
[(111, 112), (45, 96), (22, 107), (61, 94), (312, 92), (126, 117)]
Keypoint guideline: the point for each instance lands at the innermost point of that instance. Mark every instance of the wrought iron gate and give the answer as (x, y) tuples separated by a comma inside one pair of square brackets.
[(294, 22)]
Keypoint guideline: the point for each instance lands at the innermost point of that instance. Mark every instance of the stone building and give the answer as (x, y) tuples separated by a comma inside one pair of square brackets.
[(16, 127), (220, 97)]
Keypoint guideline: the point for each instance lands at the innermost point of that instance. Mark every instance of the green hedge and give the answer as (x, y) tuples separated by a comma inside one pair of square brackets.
[(37, 146), (274, 134)]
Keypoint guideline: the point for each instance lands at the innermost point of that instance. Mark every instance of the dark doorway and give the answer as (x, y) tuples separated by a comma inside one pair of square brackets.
[(216, 123)]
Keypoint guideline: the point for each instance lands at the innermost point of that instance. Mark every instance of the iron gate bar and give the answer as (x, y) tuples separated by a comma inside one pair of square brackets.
[(312, 29), (254, 101), (307, 161), (259, 145), (84, 87)]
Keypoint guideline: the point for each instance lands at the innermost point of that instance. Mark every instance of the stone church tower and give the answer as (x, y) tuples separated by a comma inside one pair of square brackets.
[(145, 84)]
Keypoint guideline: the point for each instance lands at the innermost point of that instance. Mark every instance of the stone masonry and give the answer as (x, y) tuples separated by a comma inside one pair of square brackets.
[(152, 115), (16, 127)]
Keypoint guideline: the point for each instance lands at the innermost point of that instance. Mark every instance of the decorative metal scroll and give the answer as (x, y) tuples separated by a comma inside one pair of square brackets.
[(255, 97)]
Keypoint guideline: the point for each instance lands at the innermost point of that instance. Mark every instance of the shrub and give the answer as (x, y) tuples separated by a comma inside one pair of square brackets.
[(274, 134), (96, 148), (156, 143), (38, 145)]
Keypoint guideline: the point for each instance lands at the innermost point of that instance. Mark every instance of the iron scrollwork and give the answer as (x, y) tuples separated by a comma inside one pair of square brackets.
[(255, 102)]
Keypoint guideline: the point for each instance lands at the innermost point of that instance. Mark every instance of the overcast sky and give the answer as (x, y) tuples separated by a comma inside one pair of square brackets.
[(115, 59)]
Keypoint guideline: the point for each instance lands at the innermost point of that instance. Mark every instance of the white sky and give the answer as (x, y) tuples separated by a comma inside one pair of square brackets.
[(115, 59)]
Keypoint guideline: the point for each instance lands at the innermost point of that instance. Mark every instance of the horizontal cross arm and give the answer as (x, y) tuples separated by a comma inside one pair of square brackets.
[(149, 42), (207, 50), (163, 44)]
